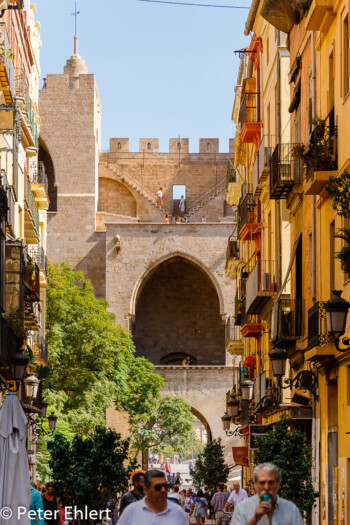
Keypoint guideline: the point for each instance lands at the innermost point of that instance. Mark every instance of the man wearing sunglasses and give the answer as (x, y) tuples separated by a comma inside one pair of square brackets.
[(155, 507)]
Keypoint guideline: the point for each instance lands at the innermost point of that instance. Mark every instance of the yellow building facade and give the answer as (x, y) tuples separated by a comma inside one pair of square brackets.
[(294, 85)]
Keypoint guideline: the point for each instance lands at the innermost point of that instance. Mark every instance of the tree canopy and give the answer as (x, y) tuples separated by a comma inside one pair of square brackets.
[(287, 448), (94, 365), (89, 471)]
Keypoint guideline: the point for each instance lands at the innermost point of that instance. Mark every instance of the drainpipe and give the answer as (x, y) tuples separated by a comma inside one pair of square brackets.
[(279, 139), (313, 218)]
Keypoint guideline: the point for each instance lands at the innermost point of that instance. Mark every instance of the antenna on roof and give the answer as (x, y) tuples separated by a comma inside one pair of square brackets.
[(75, 14)]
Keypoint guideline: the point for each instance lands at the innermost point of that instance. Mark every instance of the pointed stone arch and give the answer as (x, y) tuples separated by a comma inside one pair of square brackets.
[(45, 157), (180, 294), (174, 255)]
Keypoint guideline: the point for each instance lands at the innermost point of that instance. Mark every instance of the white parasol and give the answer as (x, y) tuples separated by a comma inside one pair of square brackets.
[(14, 469)]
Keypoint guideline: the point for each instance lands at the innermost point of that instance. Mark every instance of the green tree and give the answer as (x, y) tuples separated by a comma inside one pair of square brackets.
[(90, 470), (94, 366), (170, 419), (288, 449), (210, 467)]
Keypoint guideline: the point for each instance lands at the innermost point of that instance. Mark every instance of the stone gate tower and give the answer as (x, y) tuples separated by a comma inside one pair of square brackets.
[(70, 109), (166, 282)]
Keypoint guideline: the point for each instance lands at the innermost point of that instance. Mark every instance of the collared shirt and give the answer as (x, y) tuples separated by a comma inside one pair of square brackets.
[(139, 513), (236, 497), (286, 513), (219, 499)]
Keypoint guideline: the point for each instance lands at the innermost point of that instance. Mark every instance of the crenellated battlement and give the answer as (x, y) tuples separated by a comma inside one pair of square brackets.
[(176, 145)]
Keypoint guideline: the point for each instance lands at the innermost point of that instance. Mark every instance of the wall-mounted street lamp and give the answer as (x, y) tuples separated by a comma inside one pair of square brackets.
[(31, 387), (336, 314), (226, 422), (19, 364), (304, 380), (247, 389), (37, 422)]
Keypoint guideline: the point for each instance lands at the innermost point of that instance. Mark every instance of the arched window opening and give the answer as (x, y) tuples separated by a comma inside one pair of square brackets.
[(208, 146), (119, 145), (178, 146), (149, 145)]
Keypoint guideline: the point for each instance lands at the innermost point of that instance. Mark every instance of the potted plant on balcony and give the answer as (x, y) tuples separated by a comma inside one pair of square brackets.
[(344, 254), (339, 191), (318, 154)]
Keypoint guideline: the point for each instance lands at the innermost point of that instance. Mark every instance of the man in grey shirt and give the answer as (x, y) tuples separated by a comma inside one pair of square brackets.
[(266, 508), (218, 503), (155, 507)]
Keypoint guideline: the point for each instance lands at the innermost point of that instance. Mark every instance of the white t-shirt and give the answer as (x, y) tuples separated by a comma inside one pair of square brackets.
[(236, 497), (160, 194)]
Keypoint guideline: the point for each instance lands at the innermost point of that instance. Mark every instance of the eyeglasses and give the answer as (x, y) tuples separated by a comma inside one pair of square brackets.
[(161, 486)]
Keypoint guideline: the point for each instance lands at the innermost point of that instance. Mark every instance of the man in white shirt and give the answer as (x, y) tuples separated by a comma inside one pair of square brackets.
[(155, 507), (236, 496), (266, 506)]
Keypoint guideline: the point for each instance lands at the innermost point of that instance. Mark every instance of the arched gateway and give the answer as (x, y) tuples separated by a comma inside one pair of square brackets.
[(166, 282)]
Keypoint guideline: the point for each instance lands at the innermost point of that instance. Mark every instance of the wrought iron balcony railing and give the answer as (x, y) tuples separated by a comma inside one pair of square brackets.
[(30, 201), (322, 148), (261, 286), (285, 170), (287, 322), (247, 208), (9, 343), (7, 74), (249, 111), (38, 346), (38, 256), (37, 174), (317, 325)]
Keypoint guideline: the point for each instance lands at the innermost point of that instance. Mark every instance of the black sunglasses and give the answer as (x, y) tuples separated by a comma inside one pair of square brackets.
[(161, 486)]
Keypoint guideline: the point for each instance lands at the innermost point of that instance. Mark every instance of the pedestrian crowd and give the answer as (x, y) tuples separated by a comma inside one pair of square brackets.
[(157, 496)]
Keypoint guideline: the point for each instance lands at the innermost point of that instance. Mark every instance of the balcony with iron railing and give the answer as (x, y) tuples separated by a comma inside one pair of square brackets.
[(25, 104), (38, 257), (251, 325), (247, 211), (320, 157), (317, 326), (285, 170), (6, 66), (249, 117), (9, 345), (40, 185), (31, 216), (261, 287), (287, 322), (38, 346), (233, 338), (232, 257), (261, 168)]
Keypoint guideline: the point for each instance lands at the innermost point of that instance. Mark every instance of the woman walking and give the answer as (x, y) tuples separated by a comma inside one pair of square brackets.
[(200, 506)]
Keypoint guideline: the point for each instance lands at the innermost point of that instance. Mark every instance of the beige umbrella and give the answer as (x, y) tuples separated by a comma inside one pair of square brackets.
[(14, 469)]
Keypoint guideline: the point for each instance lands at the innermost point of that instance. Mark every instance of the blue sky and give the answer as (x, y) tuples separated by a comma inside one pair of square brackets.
[(162, 70)]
